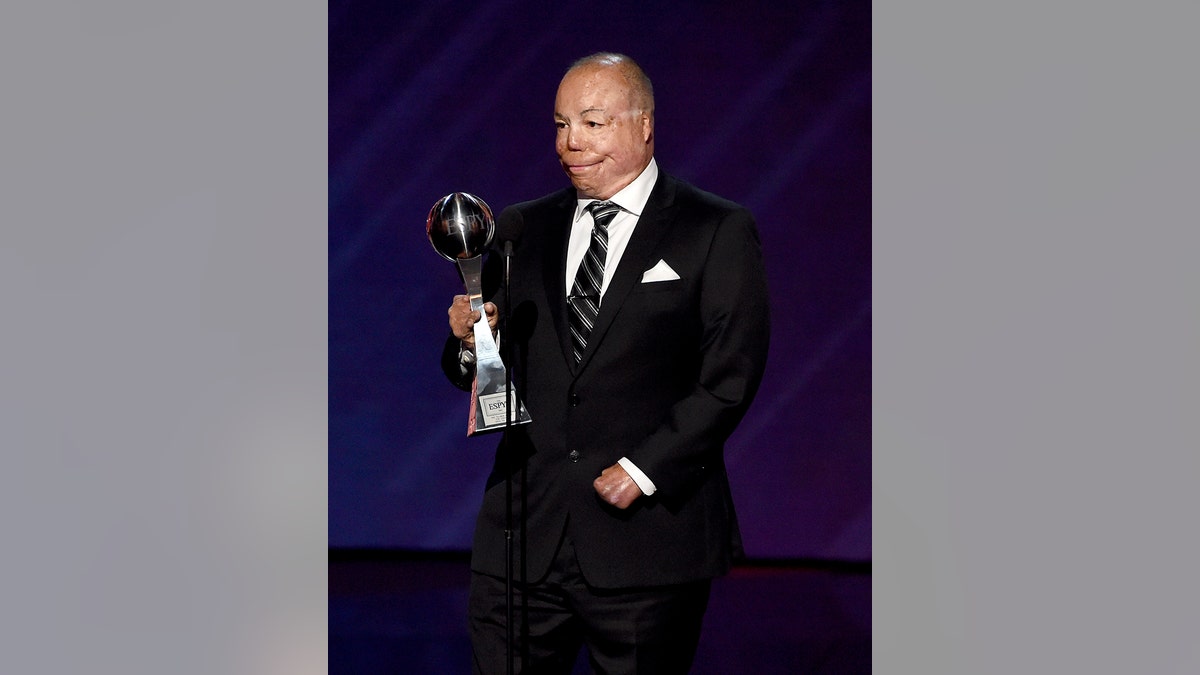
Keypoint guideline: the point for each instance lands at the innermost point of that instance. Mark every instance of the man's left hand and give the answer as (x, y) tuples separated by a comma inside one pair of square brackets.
[(616, 487)]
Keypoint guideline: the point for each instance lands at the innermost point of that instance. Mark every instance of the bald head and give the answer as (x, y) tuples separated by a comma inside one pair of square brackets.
[(641, 91)]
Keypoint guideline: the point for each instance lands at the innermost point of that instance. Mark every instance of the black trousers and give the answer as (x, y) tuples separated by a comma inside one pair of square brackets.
[(646, 631)]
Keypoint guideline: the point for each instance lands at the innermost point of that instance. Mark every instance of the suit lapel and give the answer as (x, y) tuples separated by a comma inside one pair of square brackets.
[(656, 219), (554, 269)]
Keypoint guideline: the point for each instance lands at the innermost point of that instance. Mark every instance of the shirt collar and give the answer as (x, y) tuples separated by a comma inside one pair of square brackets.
[(632, 197)]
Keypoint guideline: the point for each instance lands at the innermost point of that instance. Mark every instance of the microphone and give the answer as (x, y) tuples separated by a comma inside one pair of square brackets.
[(509, 228)]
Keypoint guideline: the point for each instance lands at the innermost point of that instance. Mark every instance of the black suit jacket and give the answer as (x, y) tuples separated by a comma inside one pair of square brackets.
[(669, 371)]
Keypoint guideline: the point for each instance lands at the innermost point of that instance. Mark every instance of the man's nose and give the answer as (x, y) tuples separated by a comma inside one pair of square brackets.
[(574, 139)]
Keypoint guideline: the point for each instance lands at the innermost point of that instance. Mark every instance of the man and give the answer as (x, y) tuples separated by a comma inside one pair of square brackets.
[(633, 388)]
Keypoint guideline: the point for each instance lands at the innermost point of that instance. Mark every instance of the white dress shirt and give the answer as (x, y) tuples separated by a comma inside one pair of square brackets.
[(632, 200)]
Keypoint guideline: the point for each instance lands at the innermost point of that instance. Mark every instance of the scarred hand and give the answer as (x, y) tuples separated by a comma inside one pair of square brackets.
[(463, 319), (616, 487)]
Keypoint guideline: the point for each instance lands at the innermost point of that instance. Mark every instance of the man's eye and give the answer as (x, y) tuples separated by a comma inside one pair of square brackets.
[(593, 125)]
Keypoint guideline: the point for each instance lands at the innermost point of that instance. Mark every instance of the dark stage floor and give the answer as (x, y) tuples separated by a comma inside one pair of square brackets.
[(403, 613)]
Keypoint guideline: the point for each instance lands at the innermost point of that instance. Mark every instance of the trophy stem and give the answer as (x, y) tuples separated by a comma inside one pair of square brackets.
[(490, 397)]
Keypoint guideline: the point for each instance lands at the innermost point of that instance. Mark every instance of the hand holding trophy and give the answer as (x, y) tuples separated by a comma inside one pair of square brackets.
[(460, 228)]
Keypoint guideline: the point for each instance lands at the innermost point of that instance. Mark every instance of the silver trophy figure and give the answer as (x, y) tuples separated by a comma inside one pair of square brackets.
[(460, 227)]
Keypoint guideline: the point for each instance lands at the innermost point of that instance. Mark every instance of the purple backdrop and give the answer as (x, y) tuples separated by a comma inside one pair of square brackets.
[(767, 104)]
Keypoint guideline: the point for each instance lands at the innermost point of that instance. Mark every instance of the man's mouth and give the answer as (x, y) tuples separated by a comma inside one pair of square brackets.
[(577, 166)]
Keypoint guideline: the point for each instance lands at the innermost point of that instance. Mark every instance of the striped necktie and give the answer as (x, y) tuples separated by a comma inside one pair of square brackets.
[(584, 300)]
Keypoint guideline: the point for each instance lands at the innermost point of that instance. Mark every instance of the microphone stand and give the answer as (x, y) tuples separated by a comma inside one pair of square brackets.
[(508, 459)]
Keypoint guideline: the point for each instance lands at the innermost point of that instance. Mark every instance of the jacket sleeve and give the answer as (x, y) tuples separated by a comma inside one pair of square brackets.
[(732, 354)]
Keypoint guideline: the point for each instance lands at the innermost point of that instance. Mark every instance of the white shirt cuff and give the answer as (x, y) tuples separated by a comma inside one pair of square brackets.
[(643, 481), (466, 355)]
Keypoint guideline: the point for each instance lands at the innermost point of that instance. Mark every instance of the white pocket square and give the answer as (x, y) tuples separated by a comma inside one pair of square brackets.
[(660, 272)]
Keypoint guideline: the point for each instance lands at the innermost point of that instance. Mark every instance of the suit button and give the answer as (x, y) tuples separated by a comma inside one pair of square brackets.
[(573, 399), (574, 456)]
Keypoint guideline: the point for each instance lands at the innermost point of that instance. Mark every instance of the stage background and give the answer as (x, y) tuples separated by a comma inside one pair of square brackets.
[(767, 104)]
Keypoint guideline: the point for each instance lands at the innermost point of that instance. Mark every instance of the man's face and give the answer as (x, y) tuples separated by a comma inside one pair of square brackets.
[(602, 142)]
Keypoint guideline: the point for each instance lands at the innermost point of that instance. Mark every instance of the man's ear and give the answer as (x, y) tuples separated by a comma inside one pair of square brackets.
[(647, 128)]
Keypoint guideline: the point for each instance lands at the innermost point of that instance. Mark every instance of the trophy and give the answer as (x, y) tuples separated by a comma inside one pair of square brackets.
[(460, 227)]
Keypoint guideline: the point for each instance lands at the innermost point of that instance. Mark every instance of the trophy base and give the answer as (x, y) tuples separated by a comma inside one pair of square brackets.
[(489, 411)]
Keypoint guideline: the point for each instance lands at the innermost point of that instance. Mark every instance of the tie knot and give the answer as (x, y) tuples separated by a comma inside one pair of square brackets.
[(603, 212)]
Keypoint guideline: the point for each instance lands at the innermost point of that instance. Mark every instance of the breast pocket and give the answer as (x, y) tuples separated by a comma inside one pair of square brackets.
[(672, 286), (657, 301)]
